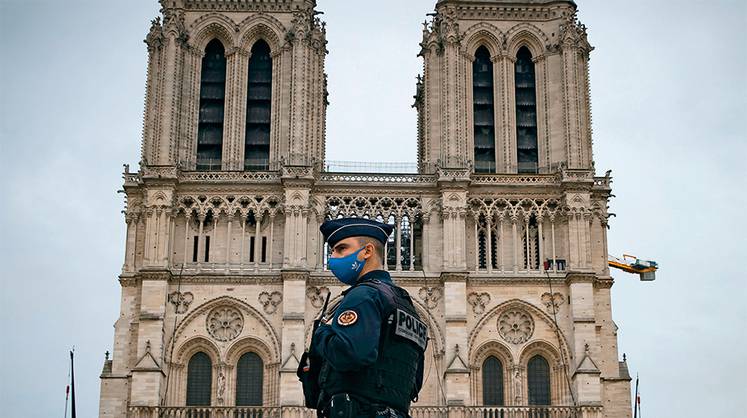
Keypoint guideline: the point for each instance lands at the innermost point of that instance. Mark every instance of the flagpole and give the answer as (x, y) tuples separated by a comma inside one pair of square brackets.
[(67, 396), (72, 384), (636, 401)]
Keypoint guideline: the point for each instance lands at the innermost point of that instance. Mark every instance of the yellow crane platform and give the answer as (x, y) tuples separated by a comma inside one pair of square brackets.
[(646, 269)]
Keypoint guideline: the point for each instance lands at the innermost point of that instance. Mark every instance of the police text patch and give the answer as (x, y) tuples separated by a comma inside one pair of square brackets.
[(347, 318), (410, 327)]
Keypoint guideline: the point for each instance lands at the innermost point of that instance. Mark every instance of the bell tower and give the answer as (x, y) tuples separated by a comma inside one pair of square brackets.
[(235, 86), (504, 88)]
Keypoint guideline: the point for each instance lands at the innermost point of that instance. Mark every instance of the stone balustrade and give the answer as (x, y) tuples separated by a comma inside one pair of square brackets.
[(415, 412)]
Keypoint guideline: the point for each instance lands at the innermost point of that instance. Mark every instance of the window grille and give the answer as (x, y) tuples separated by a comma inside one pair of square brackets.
[(538, 381), (195, 247), (249, 380), (212, 103), (482, 106), (199, 380), (258, 99), (492, 382), (526, 113), (530, 251), (482, 243)]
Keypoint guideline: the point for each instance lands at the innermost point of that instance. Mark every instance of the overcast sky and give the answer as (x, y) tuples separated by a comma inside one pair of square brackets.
[(669, 95)]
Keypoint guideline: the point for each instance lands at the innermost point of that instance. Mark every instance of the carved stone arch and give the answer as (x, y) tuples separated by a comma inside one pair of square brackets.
[(526, 34), (536, 312), (501, 207), (438, 334), (541, 347), (193, 345), (478, 356), (264, 27), (527, 207), (213, 26), (483, 34), (491, 348), (249, 344), (549, 207), (159, 198), (249, 311)]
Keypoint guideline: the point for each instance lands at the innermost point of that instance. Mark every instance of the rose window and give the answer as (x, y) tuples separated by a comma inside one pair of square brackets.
[(515, 326), (225, 323)]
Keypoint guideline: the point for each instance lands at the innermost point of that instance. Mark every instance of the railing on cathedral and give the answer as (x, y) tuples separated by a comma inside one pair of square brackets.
[(415, 412), (370, 167)]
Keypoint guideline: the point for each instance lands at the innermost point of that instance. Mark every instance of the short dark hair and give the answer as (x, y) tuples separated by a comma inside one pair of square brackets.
[(378, 245)]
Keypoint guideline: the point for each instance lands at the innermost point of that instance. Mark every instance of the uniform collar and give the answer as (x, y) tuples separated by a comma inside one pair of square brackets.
[(382, 275)]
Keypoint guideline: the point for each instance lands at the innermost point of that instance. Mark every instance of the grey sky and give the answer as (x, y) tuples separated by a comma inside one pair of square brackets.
[(669, 95)]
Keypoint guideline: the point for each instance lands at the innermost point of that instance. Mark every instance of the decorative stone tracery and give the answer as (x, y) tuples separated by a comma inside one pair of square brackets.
[(515, 326), (225, 323), (430, 296), (270, 301), (478, 301)]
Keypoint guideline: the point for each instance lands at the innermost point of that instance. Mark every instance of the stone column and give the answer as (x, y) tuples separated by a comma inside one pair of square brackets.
[(457, 373), (129, 264), (148, 375), (293, 336), (170, 97), (574, 50), (585, 378), (297, 181)]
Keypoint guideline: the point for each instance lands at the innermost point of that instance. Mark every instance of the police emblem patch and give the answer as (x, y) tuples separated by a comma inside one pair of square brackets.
[(347, 318), (412, 328)]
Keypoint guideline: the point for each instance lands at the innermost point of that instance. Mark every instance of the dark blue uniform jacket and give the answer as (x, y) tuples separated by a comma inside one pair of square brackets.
[(355, 346)]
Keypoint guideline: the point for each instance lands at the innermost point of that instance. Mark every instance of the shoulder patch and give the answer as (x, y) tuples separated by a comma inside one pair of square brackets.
[(347, 318)]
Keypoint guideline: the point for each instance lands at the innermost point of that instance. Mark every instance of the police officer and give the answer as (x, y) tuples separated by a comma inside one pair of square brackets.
[(373, 344)]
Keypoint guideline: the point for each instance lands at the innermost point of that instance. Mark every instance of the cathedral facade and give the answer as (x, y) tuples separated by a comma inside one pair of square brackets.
[(500, 236)]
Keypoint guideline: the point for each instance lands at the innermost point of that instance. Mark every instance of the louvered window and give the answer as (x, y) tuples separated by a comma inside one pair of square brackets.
[(526, 113), (249, 380), (199, 380), (492, 382), (212, 102), (538, 381), (259, 94), (482, 106)]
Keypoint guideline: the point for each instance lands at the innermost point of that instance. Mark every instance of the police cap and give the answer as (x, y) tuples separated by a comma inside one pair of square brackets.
[(336, 230)]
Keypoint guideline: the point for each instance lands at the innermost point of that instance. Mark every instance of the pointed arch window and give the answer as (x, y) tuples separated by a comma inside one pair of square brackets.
[(538, 381), (259, 95), (249, 373), (492, 382), (526, 113), (199, 380), (212, 104), (482, 107)]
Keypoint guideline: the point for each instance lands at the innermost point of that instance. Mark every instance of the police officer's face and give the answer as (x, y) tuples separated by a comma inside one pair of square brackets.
[(350, 245)]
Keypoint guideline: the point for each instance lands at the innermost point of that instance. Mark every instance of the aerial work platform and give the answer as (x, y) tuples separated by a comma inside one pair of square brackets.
[(646, 269)]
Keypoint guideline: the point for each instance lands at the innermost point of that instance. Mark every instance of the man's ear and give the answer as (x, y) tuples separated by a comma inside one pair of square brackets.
[(370, 251)]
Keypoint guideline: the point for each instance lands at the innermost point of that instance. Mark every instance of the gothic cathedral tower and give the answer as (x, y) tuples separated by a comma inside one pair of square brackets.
[(500, 237)]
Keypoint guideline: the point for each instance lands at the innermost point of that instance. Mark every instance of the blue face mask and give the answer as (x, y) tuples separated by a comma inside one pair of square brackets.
[(347, 268)]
